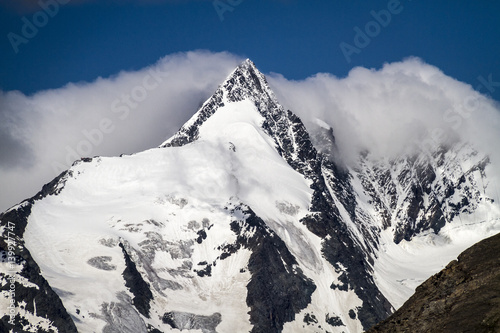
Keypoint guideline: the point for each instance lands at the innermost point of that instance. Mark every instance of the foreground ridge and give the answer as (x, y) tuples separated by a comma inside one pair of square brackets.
[(463, 297)]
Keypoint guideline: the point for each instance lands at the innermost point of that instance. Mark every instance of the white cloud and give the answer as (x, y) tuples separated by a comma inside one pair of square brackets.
[(132, 111), (383, 111), (404, 104)]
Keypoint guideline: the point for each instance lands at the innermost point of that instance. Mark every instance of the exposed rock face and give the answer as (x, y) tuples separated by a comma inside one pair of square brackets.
[(26, 288), (189, 321), (271, 263), (463, 297), (419, 192)]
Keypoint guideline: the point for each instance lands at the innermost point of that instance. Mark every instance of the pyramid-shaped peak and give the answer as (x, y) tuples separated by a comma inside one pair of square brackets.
[(246, 82), (248, 63)]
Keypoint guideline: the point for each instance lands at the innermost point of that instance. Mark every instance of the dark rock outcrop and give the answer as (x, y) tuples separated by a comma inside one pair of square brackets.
[(271, 264), (48, 304), (463, 297), (138, 287)]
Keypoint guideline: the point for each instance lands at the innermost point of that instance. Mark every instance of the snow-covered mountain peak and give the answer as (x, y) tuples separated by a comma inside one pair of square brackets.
[(246, 82), (237, 223)]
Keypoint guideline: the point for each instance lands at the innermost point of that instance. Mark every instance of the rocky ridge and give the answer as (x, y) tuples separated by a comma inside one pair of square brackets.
[(463, 297)]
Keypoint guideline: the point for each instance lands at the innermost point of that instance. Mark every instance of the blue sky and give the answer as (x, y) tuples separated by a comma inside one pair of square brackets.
[(88, 39)]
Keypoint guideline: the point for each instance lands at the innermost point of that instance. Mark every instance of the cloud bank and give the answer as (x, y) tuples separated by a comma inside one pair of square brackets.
[(385, 111), (41, 135), (402, 107)]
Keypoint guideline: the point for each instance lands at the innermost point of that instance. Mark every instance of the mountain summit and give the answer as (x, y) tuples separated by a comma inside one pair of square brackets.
[(238, 224)]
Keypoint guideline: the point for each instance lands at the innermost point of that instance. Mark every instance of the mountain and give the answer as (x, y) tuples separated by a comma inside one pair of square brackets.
[(242, 221), (463, 297)]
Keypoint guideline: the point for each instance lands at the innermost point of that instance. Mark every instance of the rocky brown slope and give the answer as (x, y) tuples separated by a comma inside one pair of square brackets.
[(463, 297)]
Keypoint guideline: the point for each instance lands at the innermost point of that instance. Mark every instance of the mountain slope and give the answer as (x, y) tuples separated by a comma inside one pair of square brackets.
[(292, 142), (239, 224), (464, 297)]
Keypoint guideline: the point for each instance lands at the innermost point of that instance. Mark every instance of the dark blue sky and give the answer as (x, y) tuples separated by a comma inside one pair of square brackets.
[(86, 39)]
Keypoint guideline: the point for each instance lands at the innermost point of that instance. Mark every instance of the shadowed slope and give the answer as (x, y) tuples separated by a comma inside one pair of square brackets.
[(463, 297)]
